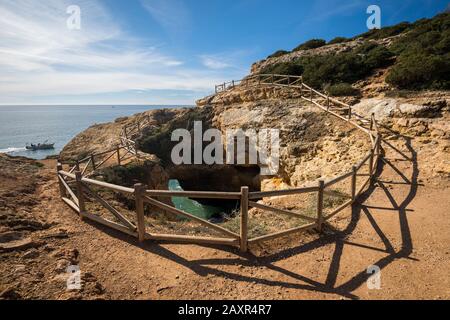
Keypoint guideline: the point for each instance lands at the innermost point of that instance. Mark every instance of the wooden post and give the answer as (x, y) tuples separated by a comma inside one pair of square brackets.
[(328, 102), (371, 163), (372, 118), (62, 189), (118, 156), (349, 113), (77, 166), (93, 162), (244, 219), (273, 78), (354, 172), (139, 190), (311, 92), (79, 186), (320, 205), (378, 147)]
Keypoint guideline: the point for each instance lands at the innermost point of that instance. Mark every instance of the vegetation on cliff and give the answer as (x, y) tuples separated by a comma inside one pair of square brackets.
[(419, 56)]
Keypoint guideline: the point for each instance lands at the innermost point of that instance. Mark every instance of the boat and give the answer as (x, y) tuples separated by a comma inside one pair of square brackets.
[(40, 146)]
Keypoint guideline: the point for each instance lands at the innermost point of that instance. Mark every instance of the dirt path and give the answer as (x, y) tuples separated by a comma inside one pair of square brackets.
[(402, 228)]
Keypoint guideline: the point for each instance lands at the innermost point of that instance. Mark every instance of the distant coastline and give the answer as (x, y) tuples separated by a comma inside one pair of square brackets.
[(22, 124)]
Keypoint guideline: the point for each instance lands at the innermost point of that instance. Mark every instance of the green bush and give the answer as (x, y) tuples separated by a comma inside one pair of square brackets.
[(126, 175), (423, 56), (420, 57), (386, 32), (341, 89), (331, 69), (290, 68), (278, 53), (338, 40), (377, 57), (311, 44), (420, 71), (346, 67)]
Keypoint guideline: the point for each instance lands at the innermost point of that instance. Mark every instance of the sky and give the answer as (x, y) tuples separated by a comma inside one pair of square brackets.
[(169, 52)]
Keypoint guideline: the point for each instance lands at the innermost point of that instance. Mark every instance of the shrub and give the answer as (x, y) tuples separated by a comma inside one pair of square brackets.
[(290, 68), (420, 71), (338, 40), (311, 44), (278, 53), (386, 32), (344, 67), (378, 57), (126, 175), (341, 89), (423, 58)]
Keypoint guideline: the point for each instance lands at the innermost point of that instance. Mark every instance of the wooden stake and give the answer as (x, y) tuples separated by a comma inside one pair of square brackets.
[(79, 186), (244, 219), (139, 190), (320, 205), (62, 189), (93, 162), (118, 156), (371, 164), (354, 172)]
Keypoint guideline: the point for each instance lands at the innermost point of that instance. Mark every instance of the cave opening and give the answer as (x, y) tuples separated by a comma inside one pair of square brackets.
[(221, 178)]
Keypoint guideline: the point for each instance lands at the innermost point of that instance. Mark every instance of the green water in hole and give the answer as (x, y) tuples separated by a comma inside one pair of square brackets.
[(191, 206)]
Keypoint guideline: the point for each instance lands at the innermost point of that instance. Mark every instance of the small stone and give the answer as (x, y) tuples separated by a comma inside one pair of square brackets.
[(61, 266), (31, 254)]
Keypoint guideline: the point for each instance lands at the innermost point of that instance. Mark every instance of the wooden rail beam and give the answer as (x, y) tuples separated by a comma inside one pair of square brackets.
[(190, 216), (81, 204), (280, 211), (244, 220), (139, 190), (320, 205), (62, 189)]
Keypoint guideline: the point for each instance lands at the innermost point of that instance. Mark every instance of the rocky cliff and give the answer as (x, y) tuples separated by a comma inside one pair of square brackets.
[(313, 144)]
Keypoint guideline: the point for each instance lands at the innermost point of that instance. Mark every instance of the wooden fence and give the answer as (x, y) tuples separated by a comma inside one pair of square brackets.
[(75, 185)]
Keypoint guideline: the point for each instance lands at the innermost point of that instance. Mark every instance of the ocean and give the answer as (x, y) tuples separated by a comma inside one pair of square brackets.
[(20, 125)]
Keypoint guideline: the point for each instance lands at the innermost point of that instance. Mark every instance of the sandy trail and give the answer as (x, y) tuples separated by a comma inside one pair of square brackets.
[(400, 225)]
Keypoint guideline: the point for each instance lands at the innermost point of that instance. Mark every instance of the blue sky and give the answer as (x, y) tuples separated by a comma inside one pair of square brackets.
[(163, 51)]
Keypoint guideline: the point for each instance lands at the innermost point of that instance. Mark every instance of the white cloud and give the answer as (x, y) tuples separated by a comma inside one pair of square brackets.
[(214, 62), (172, 15), (40, 57)]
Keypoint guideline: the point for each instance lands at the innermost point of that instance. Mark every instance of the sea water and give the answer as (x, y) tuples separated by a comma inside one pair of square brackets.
[(21, 125)]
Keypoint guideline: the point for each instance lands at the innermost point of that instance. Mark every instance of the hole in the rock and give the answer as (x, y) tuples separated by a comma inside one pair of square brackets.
[(223, 178)]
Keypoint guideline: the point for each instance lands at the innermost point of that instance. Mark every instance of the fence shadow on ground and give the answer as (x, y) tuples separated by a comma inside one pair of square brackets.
[(204, 267)]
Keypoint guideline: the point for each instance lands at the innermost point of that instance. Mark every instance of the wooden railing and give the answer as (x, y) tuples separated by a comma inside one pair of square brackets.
[(75, 185)]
